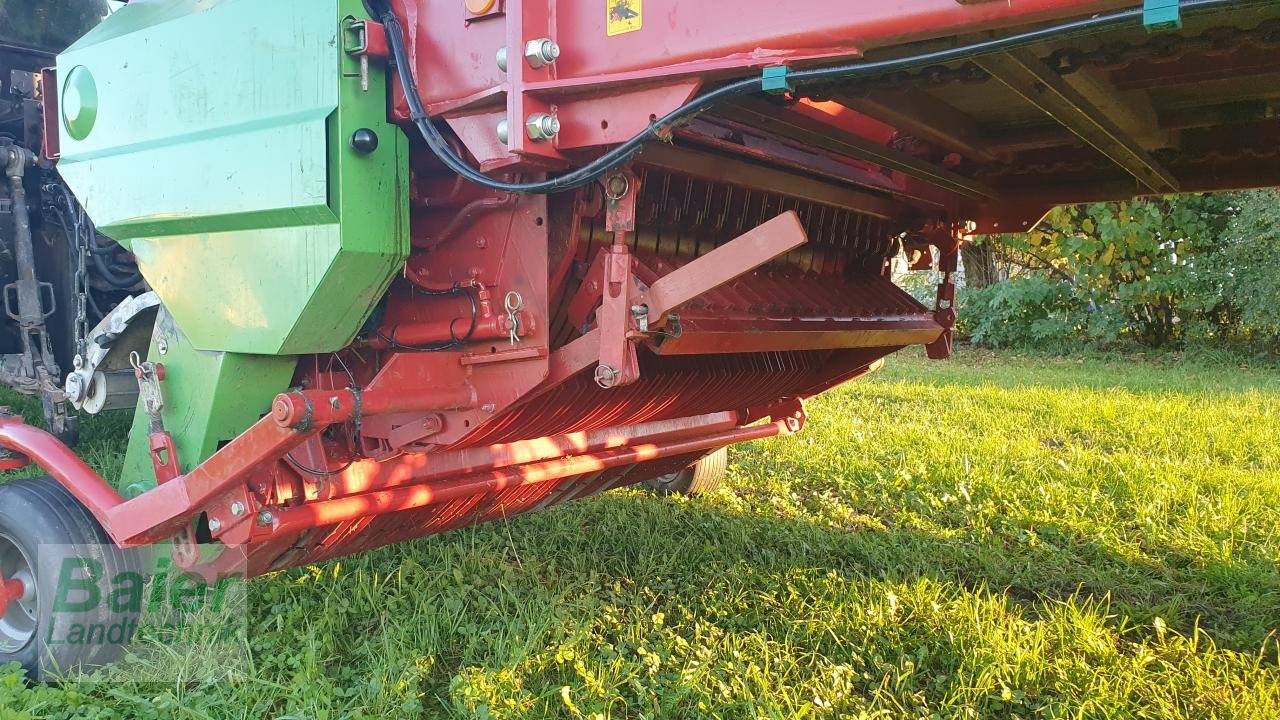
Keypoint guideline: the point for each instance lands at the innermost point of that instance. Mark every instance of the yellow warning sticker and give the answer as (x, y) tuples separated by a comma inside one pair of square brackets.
[(624, 16)]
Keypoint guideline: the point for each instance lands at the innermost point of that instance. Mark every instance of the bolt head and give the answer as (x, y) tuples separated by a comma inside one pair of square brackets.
[(541, 52), (266, 518), (281, 410), (162, 346), (504, 132), (617, 186), (214, 525), (542, 126), (502, 58), (237, 508)]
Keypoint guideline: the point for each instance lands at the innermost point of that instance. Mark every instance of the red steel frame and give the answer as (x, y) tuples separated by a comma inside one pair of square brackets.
[(604, 88), (445, 439)]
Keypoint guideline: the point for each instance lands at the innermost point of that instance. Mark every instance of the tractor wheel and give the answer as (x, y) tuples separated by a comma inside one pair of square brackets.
[(700, 478), (42, 527)]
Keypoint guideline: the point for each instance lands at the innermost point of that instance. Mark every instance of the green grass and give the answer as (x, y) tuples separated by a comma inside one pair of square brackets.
[(991, 537)]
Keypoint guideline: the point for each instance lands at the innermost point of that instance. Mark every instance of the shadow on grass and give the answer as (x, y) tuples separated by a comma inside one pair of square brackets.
[(753, 575), (535, 584), (1237, 604)]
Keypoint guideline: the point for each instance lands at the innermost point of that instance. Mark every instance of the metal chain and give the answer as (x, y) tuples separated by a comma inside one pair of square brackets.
[(1117, 55), (84, 233), (937, 75), (80, 232), (1065, 61), (1167, 156)]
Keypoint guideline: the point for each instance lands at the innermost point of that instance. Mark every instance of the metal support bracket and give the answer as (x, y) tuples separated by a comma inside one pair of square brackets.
[(619, 364), (86, 385), (777, 80), (948, 242), (657, 304), (1160, 15), (366, 39)]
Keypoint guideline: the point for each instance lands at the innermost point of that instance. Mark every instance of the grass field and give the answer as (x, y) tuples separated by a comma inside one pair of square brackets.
[(991, 537)]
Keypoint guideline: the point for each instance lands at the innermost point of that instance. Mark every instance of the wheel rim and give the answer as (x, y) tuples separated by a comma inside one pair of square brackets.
[(668, 479), (18, 625)]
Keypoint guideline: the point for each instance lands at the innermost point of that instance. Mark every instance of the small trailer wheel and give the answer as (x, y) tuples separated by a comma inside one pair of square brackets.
[(700, 478), (42, 527)]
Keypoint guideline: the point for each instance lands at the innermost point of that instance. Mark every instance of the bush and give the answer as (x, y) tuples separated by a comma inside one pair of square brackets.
[(1171, 273), (1025, 311), (1245, 268)]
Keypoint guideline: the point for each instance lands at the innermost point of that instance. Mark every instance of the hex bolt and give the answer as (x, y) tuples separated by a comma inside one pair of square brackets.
[(542, 126), (214, 525), (335, 403), (502, 58), (237, 508), (266, 518), (617, 186), (504, 132), (162, 346), (541, 52)]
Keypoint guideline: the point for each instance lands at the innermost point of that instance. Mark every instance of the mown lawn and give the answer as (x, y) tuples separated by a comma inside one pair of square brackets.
[(991, 537)]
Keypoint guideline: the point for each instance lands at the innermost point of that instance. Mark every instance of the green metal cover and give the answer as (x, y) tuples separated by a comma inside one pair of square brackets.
[(210, 398), (211, 137)]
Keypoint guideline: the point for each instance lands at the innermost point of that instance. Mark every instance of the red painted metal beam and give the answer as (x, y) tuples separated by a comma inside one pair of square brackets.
[(62, 464), (304, 409), (330, 512), (727, 262), (369, 476)]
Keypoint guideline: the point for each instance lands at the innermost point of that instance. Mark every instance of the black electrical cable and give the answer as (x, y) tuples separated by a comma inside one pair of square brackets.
[(354, 387), (119, 282), (454, 340), (81, 227), (318, 473), (623, 153)]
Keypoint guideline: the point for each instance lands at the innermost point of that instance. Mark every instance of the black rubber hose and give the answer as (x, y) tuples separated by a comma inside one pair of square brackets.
[(80, 226), (623, 153), (119, 282)]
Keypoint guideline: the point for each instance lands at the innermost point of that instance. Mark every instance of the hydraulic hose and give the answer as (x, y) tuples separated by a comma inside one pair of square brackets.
[(620, 155)]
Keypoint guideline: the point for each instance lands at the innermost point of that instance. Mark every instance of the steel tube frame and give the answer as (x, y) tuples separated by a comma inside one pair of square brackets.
[(371, 476), (161, 512), (330, 512)]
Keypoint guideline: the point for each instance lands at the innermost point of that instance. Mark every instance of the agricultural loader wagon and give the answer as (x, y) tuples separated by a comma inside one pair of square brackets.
[(370, 271)]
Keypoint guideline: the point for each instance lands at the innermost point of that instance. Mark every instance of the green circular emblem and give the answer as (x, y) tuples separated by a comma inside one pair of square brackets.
[(79, 102)]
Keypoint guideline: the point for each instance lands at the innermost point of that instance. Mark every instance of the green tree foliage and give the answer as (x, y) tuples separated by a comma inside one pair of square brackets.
[(1168, 272), (1244, 269)]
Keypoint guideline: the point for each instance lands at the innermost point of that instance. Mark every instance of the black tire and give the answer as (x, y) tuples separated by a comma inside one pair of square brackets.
[(43, 525), (702, 477)]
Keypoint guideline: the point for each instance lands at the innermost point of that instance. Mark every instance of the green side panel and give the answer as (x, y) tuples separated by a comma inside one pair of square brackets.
[(210, 398), (212, 137)]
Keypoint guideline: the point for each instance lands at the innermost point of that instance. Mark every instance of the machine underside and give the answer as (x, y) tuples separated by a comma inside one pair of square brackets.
[(383, 350)]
